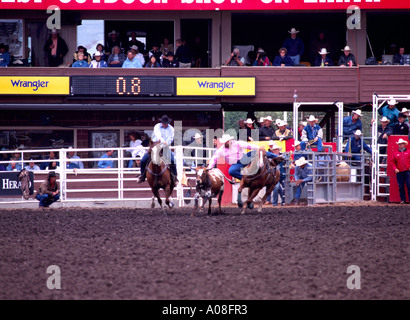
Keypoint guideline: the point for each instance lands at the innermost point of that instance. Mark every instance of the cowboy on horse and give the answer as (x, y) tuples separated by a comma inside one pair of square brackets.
[(163, 133)]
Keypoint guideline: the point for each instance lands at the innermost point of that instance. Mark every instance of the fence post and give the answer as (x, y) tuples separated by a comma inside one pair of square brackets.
[(179, 159), (120, 174), (63, 173)]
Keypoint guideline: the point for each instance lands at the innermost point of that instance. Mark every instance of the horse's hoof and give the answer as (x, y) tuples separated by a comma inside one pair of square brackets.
[(250, 205), (240, 204), (152, 205)]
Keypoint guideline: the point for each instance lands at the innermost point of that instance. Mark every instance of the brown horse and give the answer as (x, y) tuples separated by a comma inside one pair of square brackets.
[(159, 177), (263, 173)]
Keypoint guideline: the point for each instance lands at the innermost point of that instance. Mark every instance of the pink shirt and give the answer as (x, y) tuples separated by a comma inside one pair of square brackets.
[(232, 154), (54, 50)]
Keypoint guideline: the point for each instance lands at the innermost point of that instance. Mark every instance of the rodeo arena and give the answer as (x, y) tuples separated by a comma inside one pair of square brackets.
[(224, 150)]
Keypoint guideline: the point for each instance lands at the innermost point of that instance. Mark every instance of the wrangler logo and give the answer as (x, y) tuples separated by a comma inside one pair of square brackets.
[(31, 84)]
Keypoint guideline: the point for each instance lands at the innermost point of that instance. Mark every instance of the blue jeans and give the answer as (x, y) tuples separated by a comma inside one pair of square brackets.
[(45, 200), (295, 60), (235, 169), (299, 190), (403, 178), (277, 190), (318, 143)]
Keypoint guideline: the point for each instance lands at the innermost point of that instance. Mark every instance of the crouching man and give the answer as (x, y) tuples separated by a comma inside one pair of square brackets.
[(49, 191)]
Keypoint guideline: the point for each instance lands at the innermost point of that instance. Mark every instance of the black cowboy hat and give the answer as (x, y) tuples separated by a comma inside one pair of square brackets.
[(165, 120), (52, 174)]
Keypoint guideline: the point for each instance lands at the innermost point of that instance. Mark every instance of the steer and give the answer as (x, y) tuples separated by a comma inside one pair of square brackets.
[(209, 184)]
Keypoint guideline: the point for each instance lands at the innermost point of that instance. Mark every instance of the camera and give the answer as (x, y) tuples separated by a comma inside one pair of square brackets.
[(235, 54)]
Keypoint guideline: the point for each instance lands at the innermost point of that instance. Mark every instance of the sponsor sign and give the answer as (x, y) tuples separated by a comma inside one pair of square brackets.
[(215, 86), (34, 85)]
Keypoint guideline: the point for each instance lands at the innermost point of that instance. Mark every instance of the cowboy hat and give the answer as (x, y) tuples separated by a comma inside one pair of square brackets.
[(404, 110), (277, 121), (225, 138), (113, 32), (300, 162), (384, 119), (269, 118), (293, 31), (260, 50), (164, 119), (281, 123), (275, 146), (297, 143), (271, 143), (402, 141), (134, 47), (402, 115), (248, 121), (358, 112), (347, 48), (261, 119), (52, 174), (312, 118), (98, 54), (392, 102), (197, 135), (323, 51), (357, 133)]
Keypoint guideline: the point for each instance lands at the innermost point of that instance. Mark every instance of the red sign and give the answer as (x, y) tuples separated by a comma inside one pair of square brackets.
[(204, 4)]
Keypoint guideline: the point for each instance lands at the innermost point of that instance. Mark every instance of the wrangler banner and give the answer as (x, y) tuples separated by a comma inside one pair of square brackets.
[(203, 4), (215, 86), (35, 85)]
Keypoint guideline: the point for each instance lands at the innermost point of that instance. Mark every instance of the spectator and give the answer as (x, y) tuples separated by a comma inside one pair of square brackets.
[(137, 54), (113, 41), (200, 53), (401, 128), (98, 62), (347, 58), (312, 134), (283, 133), (183, 54), (51, 157), (49, 191), (4, 56), (87, 56), (145, 140), (153, 63), (398, 58), (390, 112), (56, 49), (14, 165), (131, 62), (279, 188), (400, 162), (261, 59), (282, 60), (135, 42), (136, 148), (249, 127), (266, 132), (294, 47), (169, 61), (106, 164), (73, 161), (100, 48), (155, 52), (117, 58), (322, 60), (80, 63), (318, 44), (383, 132), (53, 166), (166, 47), (32, 166), (297, 153), (302, 125), (354, 145), (235, 59), (303, 174), (241, 124), (352, 123)]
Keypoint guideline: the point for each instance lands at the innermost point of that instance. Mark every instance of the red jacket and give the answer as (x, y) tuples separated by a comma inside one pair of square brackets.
[(401, 160)]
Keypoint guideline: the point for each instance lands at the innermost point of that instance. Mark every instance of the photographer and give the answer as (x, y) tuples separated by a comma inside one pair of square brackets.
[(261, 59), (235, 59)]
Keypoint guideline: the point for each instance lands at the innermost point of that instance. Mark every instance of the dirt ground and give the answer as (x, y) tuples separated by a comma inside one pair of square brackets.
[(283, 253)]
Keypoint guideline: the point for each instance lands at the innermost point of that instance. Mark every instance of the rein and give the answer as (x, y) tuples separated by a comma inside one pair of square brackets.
[(157, 174)]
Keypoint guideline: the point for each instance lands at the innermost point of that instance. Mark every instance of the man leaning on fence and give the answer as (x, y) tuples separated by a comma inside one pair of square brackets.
[(49, 191)]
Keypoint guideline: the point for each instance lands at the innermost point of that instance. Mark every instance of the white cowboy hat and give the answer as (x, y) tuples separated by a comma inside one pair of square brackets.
[(248, 121), (358, 112), (301, 162), (134, 47), (197, 135), (404, 110), (347, 48), (271, 143), (297, 143), (392, 102), (98, 54), (304, 123), (357, 133), (312, 118), (113, 32), (281, 123), (225, 138), (402, 141), (268, 118), (261, 50), (323, 51), (293, 31), (261, 119), (275, 146), (384, 119)]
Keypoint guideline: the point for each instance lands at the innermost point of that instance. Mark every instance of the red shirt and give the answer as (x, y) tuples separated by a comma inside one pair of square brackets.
[(401, 160)]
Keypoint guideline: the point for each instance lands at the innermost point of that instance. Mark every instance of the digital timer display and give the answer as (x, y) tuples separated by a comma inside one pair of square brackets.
[(123, 86)]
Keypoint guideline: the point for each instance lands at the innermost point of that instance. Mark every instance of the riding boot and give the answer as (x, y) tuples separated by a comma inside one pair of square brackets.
[(142, 177), (144, 170), (174, 174)]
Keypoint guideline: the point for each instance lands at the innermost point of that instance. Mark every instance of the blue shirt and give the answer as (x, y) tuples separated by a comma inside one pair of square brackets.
[(305, 174), (294, 46), (356, 146), (102, 164), (312, 133), (163, 134), (391, 114), (349, 127), (4, 59), (286, 60), (135, 63), (80, 64)]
